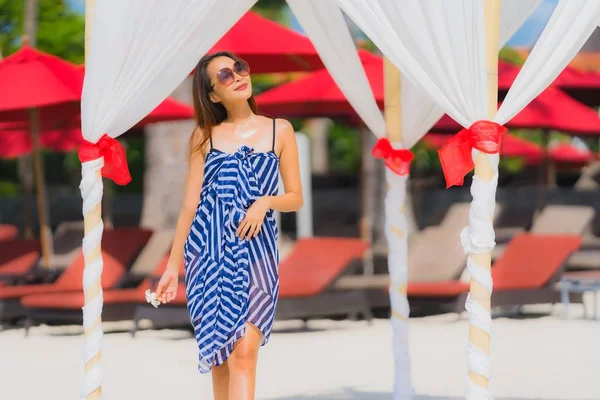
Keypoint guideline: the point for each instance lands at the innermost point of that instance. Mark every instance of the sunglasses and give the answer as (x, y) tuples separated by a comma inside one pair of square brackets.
[(226, 76)]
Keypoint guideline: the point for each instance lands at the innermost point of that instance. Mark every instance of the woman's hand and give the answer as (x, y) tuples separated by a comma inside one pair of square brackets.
[(251, 225), (167, 286)]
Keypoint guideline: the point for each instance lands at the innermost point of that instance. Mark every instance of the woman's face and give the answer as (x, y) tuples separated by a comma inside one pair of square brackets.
[(230, 81)]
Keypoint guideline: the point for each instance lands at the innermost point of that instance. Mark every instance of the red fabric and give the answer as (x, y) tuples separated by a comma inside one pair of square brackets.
[(317, 94), (514, 146), (397, 160), (511, 146), (455, 155), (268, 46), (115, 161)]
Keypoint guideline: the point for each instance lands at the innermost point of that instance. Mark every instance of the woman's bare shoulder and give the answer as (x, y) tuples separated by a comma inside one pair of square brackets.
[(197, 144)]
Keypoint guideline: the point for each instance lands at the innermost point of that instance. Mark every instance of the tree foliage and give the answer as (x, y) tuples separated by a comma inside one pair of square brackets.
[(60, 31)]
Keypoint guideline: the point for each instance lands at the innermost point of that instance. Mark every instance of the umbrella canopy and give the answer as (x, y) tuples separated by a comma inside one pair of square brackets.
[(317, 94), (269, 47), (583, 86), (68, 114), (552, 110), (514, 146), (30, 78), (60, 132), (567, 153), (17, 143)]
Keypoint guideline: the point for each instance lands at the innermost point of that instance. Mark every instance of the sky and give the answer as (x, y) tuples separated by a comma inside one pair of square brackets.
[(77, 5), (533, 27)]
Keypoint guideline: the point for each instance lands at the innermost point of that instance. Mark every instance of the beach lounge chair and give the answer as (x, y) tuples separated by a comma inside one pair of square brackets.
[(308, 276), (558, 220), (526, 273), (307, 289), (119, 304), (66, 244), (119, 248), (28, 267), (436, 253), (159, 244), (17, 258), (8, 232)]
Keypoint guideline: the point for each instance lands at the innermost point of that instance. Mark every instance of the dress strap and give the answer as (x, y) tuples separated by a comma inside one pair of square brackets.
[(210, 139), (273, 149)]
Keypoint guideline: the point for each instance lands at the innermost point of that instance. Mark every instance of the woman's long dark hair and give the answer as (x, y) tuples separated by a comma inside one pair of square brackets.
[(209, 114)]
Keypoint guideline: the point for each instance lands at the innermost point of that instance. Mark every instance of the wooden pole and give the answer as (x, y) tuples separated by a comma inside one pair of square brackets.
[(391, 76), (26, 171), (367, 197), (31, 12), (92, 219), (45, 231), (483, 170), (31, 20)]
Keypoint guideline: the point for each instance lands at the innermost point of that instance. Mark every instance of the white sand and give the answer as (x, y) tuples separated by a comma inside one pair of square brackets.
[(533, 358)]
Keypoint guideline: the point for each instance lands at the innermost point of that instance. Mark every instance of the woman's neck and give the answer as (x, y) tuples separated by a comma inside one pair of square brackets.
[(238, 112)]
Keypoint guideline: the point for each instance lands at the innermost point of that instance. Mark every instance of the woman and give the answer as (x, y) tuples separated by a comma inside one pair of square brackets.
[(226, 233)]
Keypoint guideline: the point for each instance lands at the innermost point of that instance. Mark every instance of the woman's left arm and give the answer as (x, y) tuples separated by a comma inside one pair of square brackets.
[(289, 168)]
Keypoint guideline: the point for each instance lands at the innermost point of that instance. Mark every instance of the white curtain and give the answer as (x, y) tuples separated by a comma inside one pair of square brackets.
[(139, 53), (324, 24), (423, 110), (440, 47), (569, 27)]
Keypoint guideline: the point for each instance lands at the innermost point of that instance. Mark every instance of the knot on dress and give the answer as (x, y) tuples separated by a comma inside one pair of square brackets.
[(243, 152)]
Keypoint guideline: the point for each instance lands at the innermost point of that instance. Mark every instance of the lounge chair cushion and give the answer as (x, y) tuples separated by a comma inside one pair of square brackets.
[(119, 247), (314, 264)]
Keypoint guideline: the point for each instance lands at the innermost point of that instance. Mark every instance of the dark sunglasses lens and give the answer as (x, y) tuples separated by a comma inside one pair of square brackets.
[(241, 67), (225, 76)]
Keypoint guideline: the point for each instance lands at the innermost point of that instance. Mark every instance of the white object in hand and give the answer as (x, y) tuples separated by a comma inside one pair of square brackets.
[(151, 298)]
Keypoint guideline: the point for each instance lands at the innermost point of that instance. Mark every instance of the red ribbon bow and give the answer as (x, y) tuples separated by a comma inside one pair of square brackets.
[(115, 161), (396, 160), (455, 155)]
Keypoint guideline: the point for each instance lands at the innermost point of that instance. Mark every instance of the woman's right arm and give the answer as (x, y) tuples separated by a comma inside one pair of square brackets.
[(193, 187)]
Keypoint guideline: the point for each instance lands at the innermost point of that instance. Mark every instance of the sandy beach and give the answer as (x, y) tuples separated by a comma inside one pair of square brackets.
[(536, 356)]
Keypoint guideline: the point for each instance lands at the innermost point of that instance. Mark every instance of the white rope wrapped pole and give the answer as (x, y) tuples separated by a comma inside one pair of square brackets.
[(91, 192), (397, 238), (396, 234), (478, 238)]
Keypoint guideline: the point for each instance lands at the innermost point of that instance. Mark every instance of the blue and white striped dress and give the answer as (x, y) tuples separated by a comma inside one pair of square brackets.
[(231, 281)]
